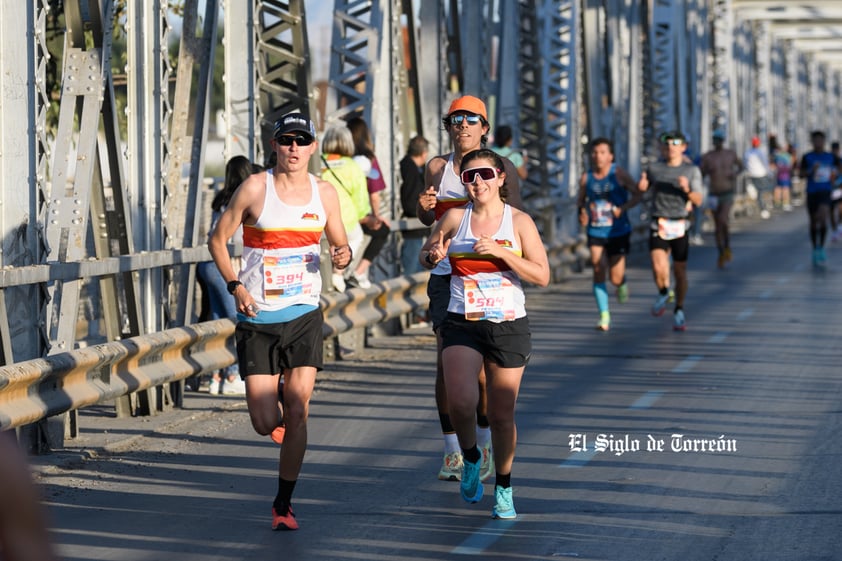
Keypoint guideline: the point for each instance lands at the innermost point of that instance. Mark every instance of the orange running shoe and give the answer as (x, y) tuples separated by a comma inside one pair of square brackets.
[(278, 434), (285, 522)]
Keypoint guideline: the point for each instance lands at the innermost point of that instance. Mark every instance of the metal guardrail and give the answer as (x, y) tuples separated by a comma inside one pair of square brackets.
[(36, 389)]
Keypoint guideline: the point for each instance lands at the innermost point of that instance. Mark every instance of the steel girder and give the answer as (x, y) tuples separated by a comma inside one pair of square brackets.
[(88, 204), (358, 28), (149, 145), (723, 78), (369, 78), (804, 113), (507, 110), (475, 23), (777, 68), (24, 188), (663, 27), (613, 76), (242, 128), (791, 94), (433, 74), (742, 104), (82, 188), (283, 64), (696, 120), (762, 79), (549, 113), (182, 197)]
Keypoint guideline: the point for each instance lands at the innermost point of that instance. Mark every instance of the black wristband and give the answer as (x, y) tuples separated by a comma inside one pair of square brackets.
[(232, 286), (428, 260)]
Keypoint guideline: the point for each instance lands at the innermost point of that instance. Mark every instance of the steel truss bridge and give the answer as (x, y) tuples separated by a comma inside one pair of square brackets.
[(103, 225)]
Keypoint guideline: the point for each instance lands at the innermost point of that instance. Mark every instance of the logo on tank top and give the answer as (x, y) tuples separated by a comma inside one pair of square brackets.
[(310, 216), (505, 243)]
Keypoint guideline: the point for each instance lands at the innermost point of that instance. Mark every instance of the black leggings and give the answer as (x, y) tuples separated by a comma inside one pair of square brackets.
[(378, 240)]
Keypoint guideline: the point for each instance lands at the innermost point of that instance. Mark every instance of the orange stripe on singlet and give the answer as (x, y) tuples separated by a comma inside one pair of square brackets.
[(280, 238)]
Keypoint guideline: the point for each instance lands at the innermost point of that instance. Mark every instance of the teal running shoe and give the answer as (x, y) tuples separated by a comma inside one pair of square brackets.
[(504, 507), (471, 488)]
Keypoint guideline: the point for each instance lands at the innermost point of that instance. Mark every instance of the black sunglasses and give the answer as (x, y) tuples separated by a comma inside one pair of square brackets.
[(457, 119), (299, 139), (485, 173)]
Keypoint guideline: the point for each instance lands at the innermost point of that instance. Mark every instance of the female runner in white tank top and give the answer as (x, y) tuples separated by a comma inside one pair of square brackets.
[(492, 248)]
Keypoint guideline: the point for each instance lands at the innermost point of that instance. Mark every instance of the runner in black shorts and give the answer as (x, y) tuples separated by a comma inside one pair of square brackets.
[(606, 193), (467, 124), (820, 168), (274, 347), (492, 248), (676, 185), (283, 212), (508, 344)]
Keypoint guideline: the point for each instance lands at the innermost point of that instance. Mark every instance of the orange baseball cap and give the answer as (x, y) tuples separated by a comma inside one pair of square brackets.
[(755, 142), (469, 104)]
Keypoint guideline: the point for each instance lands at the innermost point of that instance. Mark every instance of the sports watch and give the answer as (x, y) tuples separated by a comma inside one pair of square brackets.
[(232, 286)]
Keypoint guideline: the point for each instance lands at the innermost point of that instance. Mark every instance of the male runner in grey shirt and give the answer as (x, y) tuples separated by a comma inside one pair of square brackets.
[(676, 185)]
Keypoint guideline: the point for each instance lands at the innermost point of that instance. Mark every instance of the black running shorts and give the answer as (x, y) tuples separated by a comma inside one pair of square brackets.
[(817, 199), (618, 245), (270, 348), (679, 247), (508, 343)]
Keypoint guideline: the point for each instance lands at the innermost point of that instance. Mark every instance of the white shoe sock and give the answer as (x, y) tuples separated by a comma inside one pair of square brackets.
[(451, 443)]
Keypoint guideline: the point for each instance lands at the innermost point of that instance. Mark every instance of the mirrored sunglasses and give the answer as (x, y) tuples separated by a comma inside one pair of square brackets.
[(485, 173), (299, 139), (673, 141), (472, 119)]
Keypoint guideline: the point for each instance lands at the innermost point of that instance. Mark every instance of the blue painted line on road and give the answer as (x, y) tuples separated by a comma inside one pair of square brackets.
[(719, 336), (687, 364), (647, 400), (578, 459), (482, 539), (745, 314)]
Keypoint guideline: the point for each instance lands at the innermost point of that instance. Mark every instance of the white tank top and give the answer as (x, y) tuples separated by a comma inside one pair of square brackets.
[(281, 251), (484, 287), (451, 193)]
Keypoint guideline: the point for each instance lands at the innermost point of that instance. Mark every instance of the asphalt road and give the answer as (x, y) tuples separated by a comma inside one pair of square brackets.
[(756, 376)]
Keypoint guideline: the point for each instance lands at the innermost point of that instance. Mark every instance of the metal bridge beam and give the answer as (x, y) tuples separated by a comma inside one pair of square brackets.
[(283, 64), (24, 185), (242, 130)]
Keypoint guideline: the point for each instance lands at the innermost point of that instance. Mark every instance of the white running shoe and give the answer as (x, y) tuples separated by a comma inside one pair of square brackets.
[(237, 386), (451, 467)]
